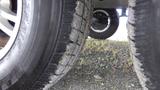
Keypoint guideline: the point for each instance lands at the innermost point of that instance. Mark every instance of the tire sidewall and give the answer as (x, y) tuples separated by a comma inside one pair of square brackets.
[(30, 42)]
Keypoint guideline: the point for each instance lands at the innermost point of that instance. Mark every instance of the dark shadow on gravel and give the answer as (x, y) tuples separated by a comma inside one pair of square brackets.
[(103, 65)]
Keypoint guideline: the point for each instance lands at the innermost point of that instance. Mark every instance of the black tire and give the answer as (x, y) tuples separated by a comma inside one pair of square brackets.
[(114, 23), (52, 34), (144, 35)]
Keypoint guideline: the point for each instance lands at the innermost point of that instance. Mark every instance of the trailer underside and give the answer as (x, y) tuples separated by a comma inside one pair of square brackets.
[(110, 3)]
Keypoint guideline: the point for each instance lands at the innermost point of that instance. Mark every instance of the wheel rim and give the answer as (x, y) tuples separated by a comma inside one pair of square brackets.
[(96, 26), (10, 18)]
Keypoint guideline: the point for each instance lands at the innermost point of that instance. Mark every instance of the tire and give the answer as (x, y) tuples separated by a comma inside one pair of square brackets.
[(144, 32), (50, 38), (110, 29)]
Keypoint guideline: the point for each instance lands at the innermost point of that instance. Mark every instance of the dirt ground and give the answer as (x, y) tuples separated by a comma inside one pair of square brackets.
[(103, 65)]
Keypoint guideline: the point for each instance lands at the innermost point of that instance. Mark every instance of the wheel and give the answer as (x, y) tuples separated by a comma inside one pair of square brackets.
[(104, 23), (144, 31), (40, 41)]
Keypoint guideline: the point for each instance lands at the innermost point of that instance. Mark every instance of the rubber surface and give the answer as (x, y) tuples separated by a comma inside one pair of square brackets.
[(51, 36), (113, 26), (144, 35)]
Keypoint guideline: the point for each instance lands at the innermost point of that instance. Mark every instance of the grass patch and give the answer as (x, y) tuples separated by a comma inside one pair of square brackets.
[(111, 54)]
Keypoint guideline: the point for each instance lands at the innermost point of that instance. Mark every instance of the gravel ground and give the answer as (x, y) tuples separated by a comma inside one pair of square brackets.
[(103, 65)]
